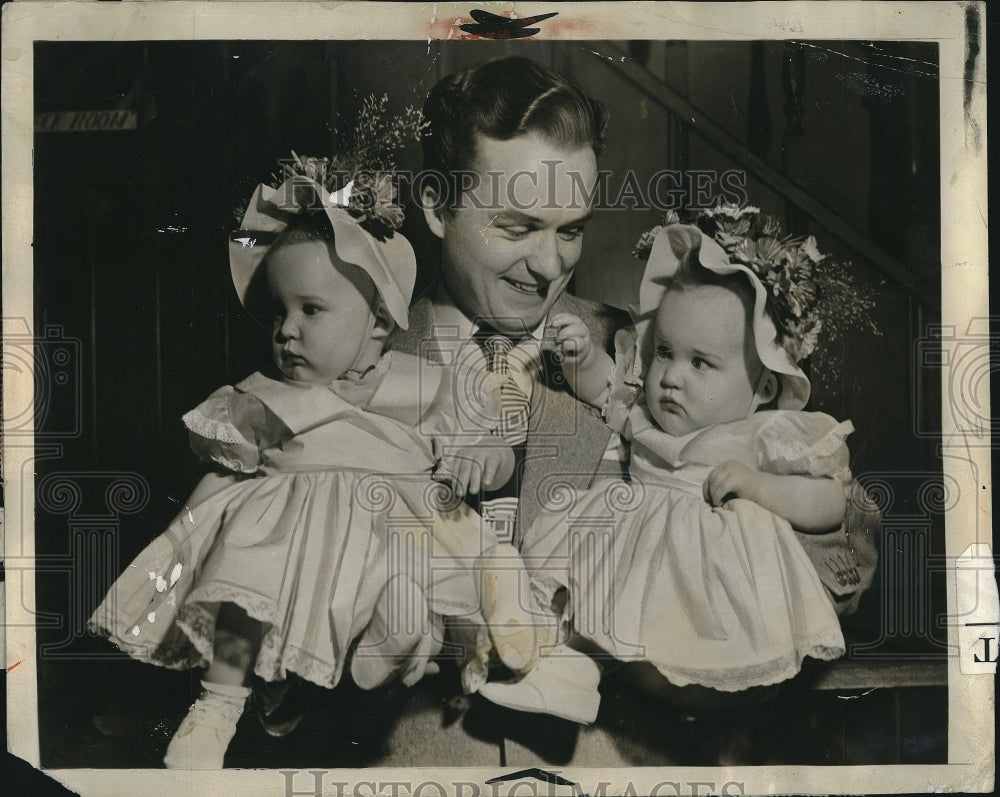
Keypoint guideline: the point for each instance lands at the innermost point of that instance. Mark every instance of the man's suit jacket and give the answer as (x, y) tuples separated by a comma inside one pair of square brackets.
[(567, 440)]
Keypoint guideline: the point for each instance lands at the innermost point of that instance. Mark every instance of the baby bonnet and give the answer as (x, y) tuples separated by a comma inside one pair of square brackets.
[(389, 260), (677, 245)]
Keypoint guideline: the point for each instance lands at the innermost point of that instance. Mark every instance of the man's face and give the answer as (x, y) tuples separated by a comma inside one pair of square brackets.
[(510, 248)]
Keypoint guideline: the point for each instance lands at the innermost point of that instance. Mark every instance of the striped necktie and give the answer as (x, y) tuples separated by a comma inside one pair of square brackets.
[(499, 507), (515, 407)]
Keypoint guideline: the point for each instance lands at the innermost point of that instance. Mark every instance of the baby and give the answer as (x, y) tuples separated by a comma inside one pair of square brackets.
[(326, 528), (693, 565)]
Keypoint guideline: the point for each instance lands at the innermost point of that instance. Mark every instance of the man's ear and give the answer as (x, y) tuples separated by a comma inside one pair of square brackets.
[(384, 324), (430, 200)]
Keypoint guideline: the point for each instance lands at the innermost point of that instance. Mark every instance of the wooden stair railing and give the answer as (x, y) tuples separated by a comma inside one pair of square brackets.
[(731, 147)]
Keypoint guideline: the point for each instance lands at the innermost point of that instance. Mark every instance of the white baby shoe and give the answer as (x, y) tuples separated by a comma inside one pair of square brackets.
[(204, 734), (521, 631), (563, 683)]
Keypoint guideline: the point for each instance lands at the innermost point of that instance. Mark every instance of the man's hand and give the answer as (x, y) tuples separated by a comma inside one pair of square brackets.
[(731, 479), (470, 469)]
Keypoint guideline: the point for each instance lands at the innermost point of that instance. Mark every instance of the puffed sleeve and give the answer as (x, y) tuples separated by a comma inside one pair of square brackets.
[(229, 428), (624, 383), (804, 443)]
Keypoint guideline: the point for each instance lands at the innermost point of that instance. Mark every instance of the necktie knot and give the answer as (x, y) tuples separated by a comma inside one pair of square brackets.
[(497, 347)]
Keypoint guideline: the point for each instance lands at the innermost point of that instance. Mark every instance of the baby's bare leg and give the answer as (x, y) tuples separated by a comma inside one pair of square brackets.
[(204, 735), (237, 641)]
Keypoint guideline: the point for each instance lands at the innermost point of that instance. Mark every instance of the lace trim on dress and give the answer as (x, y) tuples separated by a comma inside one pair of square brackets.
[(169, 658), (827, 445), (212, 428), (274, 663), (827, 645), (273, 660)]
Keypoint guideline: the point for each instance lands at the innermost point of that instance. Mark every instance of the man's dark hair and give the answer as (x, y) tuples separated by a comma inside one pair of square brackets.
[(504, 99)]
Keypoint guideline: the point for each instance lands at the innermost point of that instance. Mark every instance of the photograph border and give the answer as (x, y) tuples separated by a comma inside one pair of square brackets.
[(966, 449)]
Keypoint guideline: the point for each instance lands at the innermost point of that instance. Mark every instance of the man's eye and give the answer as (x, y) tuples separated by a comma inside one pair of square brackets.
[(516, 233), (571, 233)]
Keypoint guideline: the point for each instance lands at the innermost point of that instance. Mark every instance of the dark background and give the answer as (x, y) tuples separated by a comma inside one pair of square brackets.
[(133, 296)]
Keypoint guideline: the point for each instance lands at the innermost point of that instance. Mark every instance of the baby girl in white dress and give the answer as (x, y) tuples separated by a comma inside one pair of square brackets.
[(692, 565), (320, 541)]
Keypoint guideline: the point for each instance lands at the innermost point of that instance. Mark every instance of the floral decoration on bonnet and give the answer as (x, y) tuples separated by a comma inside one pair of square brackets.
[(366, 161), (355, 190), (807, 291)]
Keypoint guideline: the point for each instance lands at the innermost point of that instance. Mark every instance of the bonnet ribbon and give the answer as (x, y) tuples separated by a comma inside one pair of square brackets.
[(390, 263)]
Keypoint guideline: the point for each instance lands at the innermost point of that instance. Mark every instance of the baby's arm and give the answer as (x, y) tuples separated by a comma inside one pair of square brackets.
[(811, 504), (471, 468), (585, 366), (468, 459)]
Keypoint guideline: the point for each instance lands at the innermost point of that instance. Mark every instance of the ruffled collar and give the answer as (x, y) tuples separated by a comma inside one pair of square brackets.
[(358, 388), (666, 446)]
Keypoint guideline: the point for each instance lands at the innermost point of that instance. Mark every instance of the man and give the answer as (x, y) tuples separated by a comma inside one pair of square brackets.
[(518, 145)]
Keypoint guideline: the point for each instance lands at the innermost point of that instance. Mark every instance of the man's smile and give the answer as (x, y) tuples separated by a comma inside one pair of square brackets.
[(532, 288)]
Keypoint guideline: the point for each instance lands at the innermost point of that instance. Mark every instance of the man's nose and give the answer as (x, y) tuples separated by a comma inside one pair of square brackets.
[(546, 258)]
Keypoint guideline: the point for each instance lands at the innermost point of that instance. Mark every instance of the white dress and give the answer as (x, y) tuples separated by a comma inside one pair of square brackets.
[(724, 597), (328, 496)]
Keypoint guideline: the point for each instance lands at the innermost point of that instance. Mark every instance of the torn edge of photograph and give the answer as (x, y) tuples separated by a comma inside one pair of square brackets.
[(789, 139)]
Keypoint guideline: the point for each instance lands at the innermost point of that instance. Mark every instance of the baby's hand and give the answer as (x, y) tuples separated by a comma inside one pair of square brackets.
[(469, 469), (731, 479), (568, 335)]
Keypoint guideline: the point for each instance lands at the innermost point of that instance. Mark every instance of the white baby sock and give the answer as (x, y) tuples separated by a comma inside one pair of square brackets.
[(563, 684), (400, 638), (204, 734)]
